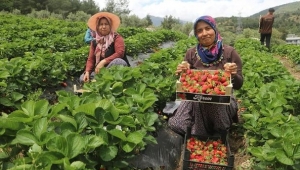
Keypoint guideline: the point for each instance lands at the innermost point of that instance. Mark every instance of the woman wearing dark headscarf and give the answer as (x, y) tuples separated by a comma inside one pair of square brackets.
[(109, 49), (208, 54)]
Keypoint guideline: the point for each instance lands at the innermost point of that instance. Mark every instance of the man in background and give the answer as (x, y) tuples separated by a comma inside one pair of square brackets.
[(265, 27)]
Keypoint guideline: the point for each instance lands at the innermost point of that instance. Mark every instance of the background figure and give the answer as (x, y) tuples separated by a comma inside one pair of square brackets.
[(89, 36), (265, 27), (108, 49), (208, 54)]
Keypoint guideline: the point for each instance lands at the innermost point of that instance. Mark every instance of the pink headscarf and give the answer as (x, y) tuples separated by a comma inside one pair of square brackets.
[(103, 42)]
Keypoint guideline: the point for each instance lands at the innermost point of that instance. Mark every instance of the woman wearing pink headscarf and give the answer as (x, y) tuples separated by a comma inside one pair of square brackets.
[(109, 49)]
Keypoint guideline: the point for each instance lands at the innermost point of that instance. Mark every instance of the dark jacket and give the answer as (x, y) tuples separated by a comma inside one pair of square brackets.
[(266, 24)]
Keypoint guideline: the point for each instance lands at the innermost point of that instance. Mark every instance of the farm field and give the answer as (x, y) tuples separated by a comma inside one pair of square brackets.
[(44, 125)]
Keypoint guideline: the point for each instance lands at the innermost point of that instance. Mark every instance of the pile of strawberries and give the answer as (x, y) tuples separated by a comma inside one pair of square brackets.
[(212, 82), (211, 151)]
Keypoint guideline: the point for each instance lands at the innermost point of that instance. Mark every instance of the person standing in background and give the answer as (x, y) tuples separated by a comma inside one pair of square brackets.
[(265, 27)]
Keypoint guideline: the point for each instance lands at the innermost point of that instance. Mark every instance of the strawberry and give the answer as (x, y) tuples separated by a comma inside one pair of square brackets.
[(226, 74), (215, 77), (203, 78), (215, 160), (225, 83), (63, 84), (216, 72), (204, 88), (222, 92), (189, 71), (217, 90), (182, 79), (223, 79), (215, 144)]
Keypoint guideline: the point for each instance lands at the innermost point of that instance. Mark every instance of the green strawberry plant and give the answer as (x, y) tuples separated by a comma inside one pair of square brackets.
[(271, 119), (86, 131), (288, 50)]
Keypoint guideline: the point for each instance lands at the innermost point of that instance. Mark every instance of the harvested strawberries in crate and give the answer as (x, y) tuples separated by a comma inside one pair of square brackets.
[(211, 151), (207, 152), (212, 86)]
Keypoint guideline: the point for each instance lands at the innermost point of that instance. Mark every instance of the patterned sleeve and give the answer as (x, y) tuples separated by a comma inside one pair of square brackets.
[(190, 57), (238, 78)]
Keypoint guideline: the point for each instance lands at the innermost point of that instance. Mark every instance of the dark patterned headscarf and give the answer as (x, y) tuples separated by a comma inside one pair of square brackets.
[(213, 54)]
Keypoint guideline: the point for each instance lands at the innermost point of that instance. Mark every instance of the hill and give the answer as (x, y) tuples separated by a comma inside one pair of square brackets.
[(157, 20), (281, 9), (287, 20)]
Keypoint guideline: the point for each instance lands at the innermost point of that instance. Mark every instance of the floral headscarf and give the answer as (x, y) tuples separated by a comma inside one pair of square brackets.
[(104, 42), (209, 56)]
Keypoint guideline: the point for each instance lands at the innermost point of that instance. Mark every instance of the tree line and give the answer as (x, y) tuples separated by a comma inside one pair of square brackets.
[(80, 10), (65, 7)]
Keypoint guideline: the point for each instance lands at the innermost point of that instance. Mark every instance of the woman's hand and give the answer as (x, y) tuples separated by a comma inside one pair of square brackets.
[(181, 67), (100, 65), (231, 68), (86, 77)]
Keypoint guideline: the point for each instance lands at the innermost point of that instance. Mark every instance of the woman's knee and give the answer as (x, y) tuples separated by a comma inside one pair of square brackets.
[(117, 61), (81, 78)]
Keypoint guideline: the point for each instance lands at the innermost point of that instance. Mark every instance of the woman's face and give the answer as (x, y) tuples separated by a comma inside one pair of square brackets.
[(205, 34), (103, 27)]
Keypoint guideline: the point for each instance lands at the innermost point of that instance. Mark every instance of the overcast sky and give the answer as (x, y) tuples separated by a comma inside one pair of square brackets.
[(189, 10)]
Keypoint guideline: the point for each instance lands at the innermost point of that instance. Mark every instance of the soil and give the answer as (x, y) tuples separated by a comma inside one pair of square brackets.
[(290, 66)]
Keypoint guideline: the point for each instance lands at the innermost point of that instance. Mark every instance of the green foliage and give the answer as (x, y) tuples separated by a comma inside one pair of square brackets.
[(16, 12), (56, 16), (119, 7), (39, 14), (185, 28), (169, 22), (133, 21), (63, 7), (149, 21), (88, 6), (130, 31), (35, 95), (78, 16), (271, 119), (6, 5), (290, 51)]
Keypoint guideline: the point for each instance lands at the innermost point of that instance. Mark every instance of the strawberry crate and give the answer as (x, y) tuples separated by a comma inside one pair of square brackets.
[(192, 162), (205, 86)]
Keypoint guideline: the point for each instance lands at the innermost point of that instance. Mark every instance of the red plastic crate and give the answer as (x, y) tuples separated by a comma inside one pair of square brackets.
[(193, 165)]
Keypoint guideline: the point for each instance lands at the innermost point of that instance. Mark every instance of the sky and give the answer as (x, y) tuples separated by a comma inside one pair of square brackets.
[(189, 10)]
